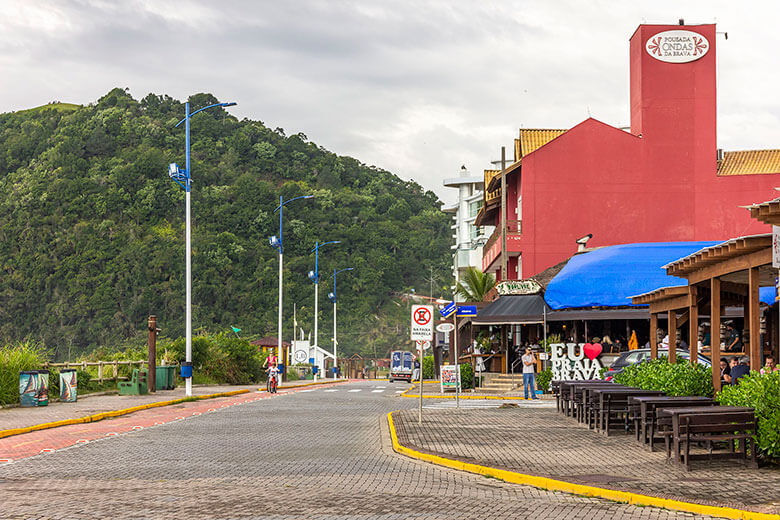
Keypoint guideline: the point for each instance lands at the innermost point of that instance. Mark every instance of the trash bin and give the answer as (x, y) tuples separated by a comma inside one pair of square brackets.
[(28, 388), (165, 377), (68, 385), (43, 388), (186, 369)]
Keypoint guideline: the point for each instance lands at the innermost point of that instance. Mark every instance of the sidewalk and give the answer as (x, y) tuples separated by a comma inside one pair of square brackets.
[(432, 390), (542, 443)]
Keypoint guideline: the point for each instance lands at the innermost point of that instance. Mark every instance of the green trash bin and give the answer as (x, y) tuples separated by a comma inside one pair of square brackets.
[(68, 385), (28, 388), (165, 377)]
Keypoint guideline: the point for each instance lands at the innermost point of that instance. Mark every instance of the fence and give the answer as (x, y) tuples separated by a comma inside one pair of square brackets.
[(100, 365)]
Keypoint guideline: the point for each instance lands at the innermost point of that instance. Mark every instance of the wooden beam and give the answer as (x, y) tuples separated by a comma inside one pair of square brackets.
[(732, 265), (676, 303), (653, 336), (755, 321), (693, 326), (683, 319), (715, 332), (672, 320)]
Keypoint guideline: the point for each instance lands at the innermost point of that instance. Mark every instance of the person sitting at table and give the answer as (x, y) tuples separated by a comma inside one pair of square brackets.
[(742, 369), (725, 372), (770, 366)]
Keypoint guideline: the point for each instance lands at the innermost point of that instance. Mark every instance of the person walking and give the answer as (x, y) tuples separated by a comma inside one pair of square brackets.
[(529, 380)]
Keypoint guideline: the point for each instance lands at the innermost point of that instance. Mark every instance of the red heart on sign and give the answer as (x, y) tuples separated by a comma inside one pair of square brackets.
[(592, 350)]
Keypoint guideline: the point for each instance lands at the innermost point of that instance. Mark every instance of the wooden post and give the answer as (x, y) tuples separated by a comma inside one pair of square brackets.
[(755, 320), (505, 348), (672, 336), (152, 342), (116, 371), (653, 336), (504, 256), (100, 371), (715, 332), (693, 325)]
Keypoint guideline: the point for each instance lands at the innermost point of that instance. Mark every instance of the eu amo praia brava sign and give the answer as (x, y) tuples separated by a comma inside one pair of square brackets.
[(574, 361)]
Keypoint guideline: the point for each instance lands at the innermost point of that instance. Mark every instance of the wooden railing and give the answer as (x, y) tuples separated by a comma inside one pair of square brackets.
[(114, 365), (495, 195)]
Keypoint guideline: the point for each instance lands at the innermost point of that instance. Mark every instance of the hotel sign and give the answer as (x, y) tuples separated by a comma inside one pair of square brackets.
[(677, 46), (518, 287)]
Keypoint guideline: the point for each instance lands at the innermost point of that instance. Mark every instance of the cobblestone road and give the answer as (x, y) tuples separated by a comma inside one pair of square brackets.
[(313, 454)]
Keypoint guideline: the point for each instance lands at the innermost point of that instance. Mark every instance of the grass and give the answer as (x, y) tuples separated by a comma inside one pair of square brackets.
[(60, 107), (14, 359)]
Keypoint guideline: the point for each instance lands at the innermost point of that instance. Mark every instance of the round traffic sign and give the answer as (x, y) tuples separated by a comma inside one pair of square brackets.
[(300, 356), (445, 327), (422, 316)]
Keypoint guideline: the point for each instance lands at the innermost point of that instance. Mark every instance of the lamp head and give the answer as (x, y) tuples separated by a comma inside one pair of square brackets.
[(274, 241), (332, 297), (230, 104), (173, 168), (312, 276)]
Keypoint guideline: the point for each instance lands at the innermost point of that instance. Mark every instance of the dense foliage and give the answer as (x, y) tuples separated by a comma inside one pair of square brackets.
[(762, 393), (91, 239), (466, 376), (681, 378), (15, 358), (543, 379), (475, 285), (428, 368)]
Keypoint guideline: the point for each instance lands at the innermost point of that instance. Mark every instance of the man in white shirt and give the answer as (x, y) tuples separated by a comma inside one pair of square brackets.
[(529, 380)]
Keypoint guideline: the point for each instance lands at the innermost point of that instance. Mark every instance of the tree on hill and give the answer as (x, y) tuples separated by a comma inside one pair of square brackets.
[(91, 239)]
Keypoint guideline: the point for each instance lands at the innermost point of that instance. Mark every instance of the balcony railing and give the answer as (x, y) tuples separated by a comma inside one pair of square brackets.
[(495, 195), (513, 227)]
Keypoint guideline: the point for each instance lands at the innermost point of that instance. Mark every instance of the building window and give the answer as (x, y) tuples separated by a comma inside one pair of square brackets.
[(474, 208)]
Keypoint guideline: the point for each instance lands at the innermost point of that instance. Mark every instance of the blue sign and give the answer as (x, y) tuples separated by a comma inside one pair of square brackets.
[(448, 310), (466, 310)]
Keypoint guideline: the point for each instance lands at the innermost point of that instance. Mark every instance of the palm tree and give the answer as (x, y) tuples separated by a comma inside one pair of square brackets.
[(476, 285)]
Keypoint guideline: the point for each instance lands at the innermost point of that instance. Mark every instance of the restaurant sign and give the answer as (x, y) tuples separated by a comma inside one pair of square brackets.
[(677, 46), (518, 287), (573, 361)]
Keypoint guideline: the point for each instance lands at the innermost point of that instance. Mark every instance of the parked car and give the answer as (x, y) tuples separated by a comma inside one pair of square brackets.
[(632, 357)]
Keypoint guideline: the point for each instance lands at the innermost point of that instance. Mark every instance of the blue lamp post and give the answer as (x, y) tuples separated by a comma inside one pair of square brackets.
[(332, 297), (183, 178), (277, 243), (314, 276)]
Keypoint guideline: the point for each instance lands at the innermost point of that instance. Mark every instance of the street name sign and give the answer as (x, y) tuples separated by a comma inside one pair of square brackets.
[(447, 311), (466, 310), (422, 322)]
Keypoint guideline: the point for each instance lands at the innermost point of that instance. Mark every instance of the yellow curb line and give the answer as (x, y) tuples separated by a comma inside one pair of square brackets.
[(490, 397), (308, 384), (578, 489), (113, 413)]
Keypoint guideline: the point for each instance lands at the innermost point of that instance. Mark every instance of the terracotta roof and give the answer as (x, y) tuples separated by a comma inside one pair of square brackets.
[(269, 341), (749, 162), (533, 138)]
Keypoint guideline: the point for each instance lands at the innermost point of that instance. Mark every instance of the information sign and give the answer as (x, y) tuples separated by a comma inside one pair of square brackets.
[(466, 310), (422, 322), (448, 377)]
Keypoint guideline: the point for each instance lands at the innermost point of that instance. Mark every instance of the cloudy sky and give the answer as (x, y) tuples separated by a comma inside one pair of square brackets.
[(416, 87)]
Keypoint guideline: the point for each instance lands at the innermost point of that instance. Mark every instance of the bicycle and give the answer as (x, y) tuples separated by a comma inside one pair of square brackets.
[(272, 383)]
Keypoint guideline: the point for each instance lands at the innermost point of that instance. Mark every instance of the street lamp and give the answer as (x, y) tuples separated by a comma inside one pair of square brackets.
[(183, 178), (314, 276), (332, 297), (276, 243)]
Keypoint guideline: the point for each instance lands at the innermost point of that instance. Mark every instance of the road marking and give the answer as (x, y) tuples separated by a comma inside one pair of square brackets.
[(379, 387), (356, 390), (399, 391), (302, 391), (331, 390), (375, 391)]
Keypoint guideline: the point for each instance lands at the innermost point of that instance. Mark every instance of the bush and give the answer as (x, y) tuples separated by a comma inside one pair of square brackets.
[(762, 393), (14, 359), (543, 379), (428, 369), (676, 379), (466, 376)]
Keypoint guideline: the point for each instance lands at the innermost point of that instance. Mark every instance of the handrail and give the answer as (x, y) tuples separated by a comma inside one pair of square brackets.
[(513, 227), (100, 364)]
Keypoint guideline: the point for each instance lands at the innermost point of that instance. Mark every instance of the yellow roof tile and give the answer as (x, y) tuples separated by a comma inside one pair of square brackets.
[(532, 139), (749, 162)]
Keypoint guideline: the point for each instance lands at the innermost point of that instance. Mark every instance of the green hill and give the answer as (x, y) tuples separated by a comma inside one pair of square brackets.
[(91, 239), (55, 105)]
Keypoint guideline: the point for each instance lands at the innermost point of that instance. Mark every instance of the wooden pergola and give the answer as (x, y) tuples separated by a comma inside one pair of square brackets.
[(729, 273)]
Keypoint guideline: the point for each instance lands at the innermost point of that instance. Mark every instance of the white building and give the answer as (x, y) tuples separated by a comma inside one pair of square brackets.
[(468, 238)]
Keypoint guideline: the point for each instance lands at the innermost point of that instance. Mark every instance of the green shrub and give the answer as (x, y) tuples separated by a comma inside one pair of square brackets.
[(14, 359), (675, 379), (466, 376), (428, 369), (762, 393), (543, 379)]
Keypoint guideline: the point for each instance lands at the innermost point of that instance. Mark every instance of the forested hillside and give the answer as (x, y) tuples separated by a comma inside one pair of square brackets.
[(92, 228)]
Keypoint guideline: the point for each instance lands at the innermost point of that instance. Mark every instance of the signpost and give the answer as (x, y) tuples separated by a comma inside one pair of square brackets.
[(421, 332)]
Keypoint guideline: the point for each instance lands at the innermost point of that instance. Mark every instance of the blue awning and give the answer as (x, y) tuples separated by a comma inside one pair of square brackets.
[(609, 276)]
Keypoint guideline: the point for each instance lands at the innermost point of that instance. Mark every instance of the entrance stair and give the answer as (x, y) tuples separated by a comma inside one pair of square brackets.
[(502, 383)]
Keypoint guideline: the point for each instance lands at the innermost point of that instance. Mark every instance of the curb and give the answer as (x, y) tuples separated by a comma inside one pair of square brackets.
[(551, 484), (489, 397), (112, 413)]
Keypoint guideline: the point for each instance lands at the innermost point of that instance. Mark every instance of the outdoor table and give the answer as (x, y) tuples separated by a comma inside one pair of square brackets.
[(572, 394), (672, 416), (590, 403), (642, 410), (564, 387), (615, 401)]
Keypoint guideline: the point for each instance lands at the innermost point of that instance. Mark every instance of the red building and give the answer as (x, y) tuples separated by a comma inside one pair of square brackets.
[(663, 180)]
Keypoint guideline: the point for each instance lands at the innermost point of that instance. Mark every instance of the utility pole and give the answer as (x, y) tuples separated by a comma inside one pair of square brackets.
[(503, 215), (151, 377)]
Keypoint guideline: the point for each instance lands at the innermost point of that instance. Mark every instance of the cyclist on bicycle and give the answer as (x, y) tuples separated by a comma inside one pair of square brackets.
[(273, 371)]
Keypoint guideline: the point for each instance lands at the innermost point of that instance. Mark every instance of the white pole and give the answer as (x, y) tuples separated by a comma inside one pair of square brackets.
[(279, 323), (188, 343), (335, 343), (457, 364), (316, 308), (420, 355)]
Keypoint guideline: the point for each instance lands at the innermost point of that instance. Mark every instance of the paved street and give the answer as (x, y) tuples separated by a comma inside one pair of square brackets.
[(316, 453)]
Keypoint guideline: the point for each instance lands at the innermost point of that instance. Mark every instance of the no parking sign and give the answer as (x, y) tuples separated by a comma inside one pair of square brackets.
[(422, 322)]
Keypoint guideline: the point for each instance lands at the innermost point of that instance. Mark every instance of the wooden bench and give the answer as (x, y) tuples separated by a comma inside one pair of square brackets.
[(641, 410), (613, 406)]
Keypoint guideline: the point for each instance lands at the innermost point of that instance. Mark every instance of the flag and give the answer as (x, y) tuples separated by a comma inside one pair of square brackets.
[(235, 329), (633, 344)]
